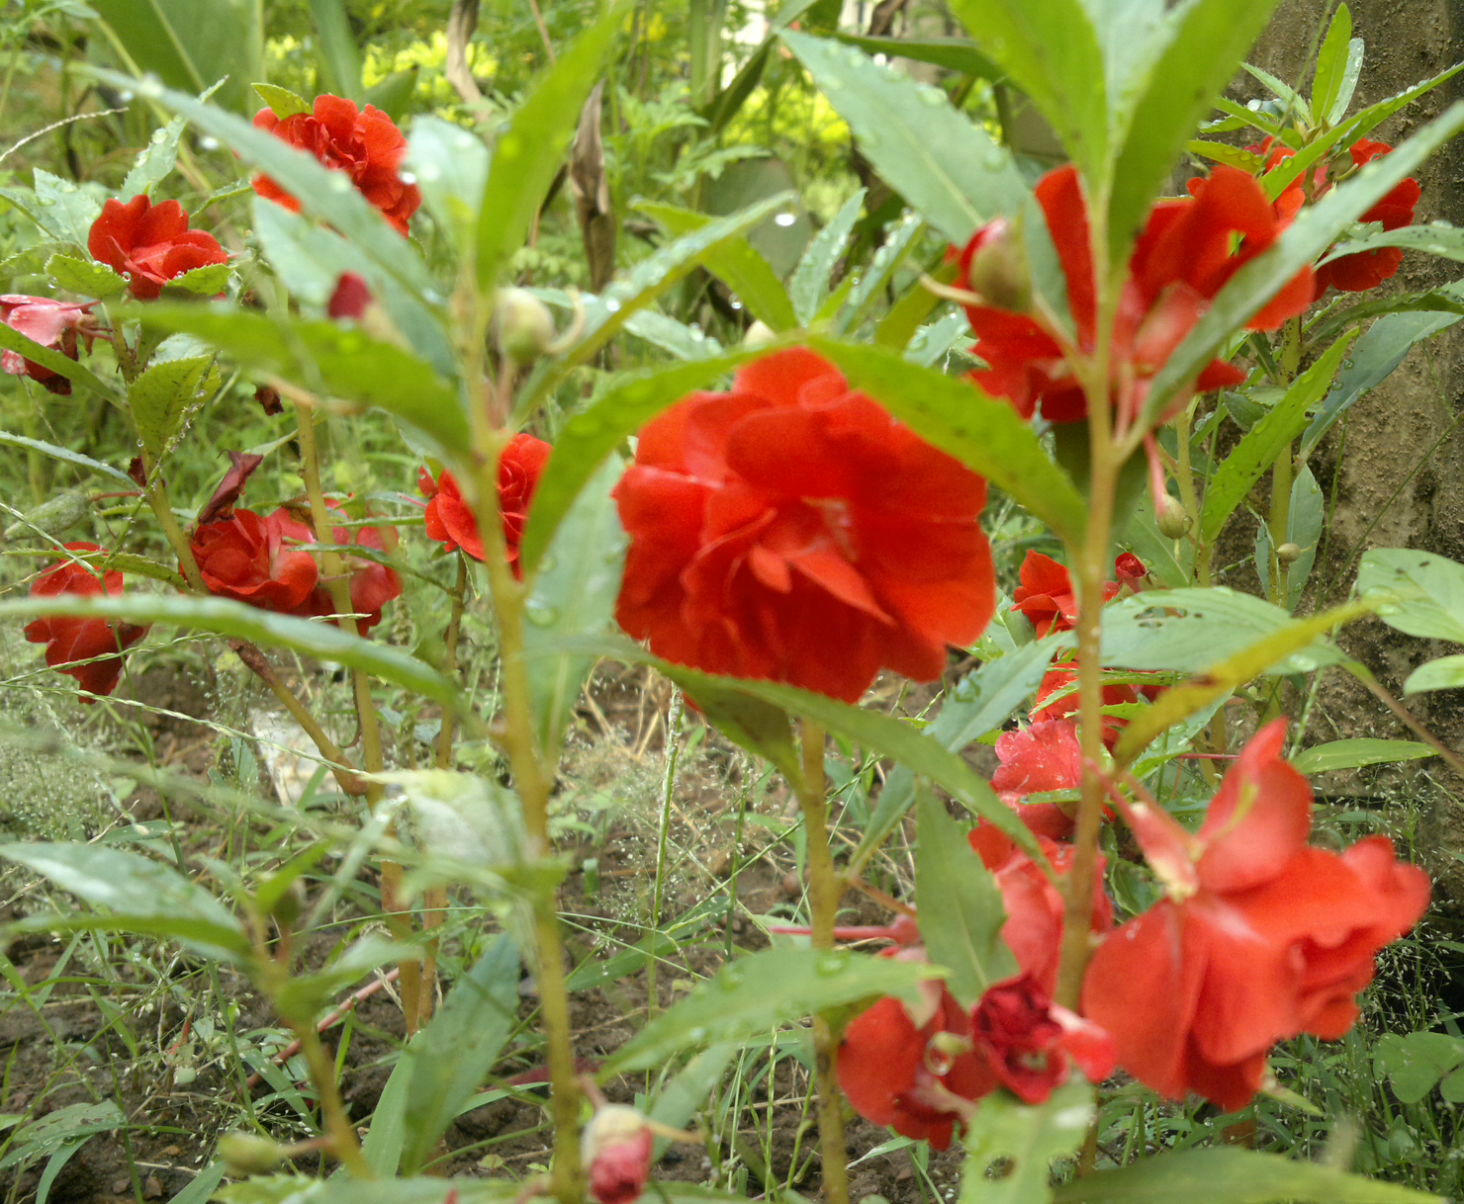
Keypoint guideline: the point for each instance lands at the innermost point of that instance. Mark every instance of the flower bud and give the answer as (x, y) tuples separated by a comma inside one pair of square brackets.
[(55, 516), (248, 1154), (759, 334), (1288, 553), (616, 1149), (1174, 520), (525, 326), (998, 268)]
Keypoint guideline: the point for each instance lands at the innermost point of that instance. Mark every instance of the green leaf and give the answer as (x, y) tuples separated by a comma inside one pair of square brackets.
[(573, 594), (1414, 1063), (1203, 43), (66, 454), (960, 906), (340, 58), (331, 360), (1446, 673), (1225, 677), (143, 895), (298, 1189), (1050, 50), (954, 54), (1350, 754), (207, 281), (866, 289), (678, 1101), (447, 1060), (84, 276), (451, 167), (1239, 471), (302, 996), (190, 45), (588, 439), (1023, 1141), (1332, 62), (1236, 1176), (62, 209), (282, 102), (754, 994), (223, 616), (530, 151), (737, 264), (1305, 239), (1420, 593), (983, 432), (78, 374), (933, 155), (466, 819), (164, 395)]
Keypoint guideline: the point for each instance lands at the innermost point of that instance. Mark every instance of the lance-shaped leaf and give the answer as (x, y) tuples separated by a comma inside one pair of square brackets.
[(78, 374), (1303, 241), (982, 432), (1024, 1141), (69, 456), (223, 616), (530, 151), (935, 156)]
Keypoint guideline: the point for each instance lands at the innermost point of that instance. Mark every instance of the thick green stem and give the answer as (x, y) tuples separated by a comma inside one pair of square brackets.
[(825, 888), (338, 1127), (1282, 474)]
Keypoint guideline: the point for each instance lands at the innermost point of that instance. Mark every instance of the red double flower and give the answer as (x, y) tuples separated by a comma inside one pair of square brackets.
[(1189, 249), (151, 244), (99, 642), (450, 519), (51, 323), (365, 144), (792, 530), (1261, 937)]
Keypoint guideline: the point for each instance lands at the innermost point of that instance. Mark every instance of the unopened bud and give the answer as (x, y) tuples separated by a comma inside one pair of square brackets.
[(54, 516), (525, 326), (1288, 553), (1174, 519), (759, 334), (247, 1154), (998, 268), (616, 1149)]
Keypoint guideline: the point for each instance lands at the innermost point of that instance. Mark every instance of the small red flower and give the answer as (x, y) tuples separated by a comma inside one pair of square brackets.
[(450, 519), (150, 243), (70, 639), (50, 323), (1029, 1042), (616, 1148), (1036, 759), (364, 143), (792, 530), (1366, 269), (1261, 937), (1189, 249)]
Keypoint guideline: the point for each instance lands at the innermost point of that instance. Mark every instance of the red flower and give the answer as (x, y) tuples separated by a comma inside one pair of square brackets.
[(257, 559), (1045, 756), (1261, 938), (1029, 1041), (363, 143), (1366, 269), (616, 1148), (50, 323), (451, 521), (918, 1074), (151, 243), (69, 639), (793, 530), (373, 584), (1185, 254)]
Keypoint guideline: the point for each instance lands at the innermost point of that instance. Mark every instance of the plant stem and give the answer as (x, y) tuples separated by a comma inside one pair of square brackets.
[(372, 757), (825, 888), (658, 894), (342, 1133)]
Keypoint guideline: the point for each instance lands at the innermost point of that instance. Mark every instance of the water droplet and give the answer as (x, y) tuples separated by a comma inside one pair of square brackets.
[(831, 963), (208, 143), (698, 1034), (152, 86), (159, 135), (612, 305), (932, 97), (736, 304), (340, 183), (125, 95), (539, 613), (785, 219), (731, 978)]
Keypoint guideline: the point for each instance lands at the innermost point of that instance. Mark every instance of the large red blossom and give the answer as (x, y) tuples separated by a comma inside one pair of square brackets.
[(69, 638), (791, 529), (1261, 937), (1189, 249), (150, 243), (364, 143), (450, 519), (46, 321), (1365, 269)]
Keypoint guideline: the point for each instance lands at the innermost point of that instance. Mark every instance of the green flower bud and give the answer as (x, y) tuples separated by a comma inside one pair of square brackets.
[(248, 1154), (1174, 520), (525, 326)]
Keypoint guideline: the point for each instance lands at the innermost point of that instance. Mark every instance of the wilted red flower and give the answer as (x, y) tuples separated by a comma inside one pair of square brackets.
[(792, 530), (1261, 937), (1029, 1041), (918, 1073), (616, 1148), (450, 519), (1186, 253), (1366, 269), (68, 638), (257, 559), (150, 243), (50, 323), (363, 143)]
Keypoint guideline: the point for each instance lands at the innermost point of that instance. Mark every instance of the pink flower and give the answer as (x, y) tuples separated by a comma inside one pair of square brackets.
[(616, 1148), (50, 323)]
